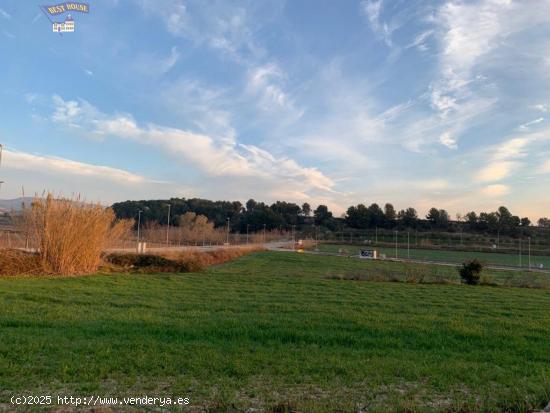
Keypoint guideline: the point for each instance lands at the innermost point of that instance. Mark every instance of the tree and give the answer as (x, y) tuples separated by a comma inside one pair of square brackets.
[(250, 205), (471, 219), (389, 212), (543, 222), (322, 215), (306, 209), (525, 222), (408, 217), (433, 216), (376, 216)]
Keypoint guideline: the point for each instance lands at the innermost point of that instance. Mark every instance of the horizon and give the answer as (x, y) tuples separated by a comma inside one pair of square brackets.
[(420, 104)]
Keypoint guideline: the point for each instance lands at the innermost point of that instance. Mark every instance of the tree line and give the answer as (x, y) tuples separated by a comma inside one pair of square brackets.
[(254, 216)]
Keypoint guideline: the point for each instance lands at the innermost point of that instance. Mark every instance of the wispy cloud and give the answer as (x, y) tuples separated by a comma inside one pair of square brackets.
[(41, 163), (156, 65), (217, 158), (447, 140), (541, 107), (420, 40), (525, 126), (5, 14), (495, 190), (372, 9)]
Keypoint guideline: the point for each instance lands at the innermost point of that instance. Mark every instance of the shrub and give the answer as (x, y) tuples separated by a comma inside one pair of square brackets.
[(183, 261), (147, 262), (470, 272)]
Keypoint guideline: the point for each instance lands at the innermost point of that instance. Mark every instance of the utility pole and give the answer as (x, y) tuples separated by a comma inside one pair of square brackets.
[(264, 232), (247, 226), (376, 235), (168, 227), (227, 242), (408, 248)]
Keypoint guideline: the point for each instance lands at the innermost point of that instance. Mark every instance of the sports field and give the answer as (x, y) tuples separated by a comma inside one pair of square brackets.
[(445, 256), (275, 332)]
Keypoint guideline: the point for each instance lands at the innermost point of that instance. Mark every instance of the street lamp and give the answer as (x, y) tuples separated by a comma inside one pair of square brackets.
[(395, 244), (227, 231), (529, 249), (168, 227), (139, 224)]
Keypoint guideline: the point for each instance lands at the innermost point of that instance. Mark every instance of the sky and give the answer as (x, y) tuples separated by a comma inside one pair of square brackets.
[(417, 103)]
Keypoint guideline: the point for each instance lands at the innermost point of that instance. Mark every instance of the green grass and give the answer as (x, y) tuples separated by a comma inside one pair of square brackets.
[(445, 256), (272, 331)]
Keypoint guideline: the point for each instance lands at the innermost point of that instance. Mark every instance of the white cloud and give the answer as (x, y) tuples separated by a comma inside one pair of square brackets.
[(447, 140), (204, 106), (541, 107), (88, 72), (39, 163), (420, 40), (496, 171), (266, 83), (372, 10), (219, 25), (495, 190), (525, 126), (216, 157)]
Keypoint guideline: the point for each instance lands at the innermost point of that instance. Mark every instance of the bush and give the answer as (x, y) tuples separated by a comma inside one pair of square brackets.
[(182, 261), (147, 262), (470, 272)]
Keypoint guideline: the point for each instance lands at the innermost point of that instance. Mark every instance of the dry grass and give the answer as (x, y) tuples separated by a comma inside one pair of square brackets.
[(68, 235), (16, 262)]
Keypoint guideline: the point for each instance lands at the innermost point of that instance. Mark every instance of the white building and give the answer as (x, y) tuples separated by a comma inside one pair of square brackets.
[(66, 26)]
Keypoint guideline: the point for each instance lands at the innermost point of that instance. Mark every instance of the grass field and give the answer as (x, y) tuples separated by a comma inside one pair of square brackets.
[(445, 256), (276, 332)]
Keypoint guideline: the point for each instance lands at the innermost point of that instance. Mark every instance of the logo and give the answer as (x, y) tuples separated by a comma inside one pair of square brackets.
[(64, 9)]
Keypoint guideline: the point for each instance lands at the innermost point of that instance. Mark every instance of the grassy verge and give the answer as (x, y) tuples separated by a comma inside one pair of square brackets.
[(272, 331)]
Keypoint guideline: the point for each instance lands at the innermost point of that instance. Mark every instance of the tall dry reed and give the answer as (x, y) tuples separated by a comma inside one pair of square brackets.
[(69, 234)]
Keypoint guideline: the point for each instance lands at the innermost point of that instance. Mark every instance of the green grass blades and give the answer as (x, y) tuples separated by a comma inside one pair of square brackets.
[(273, 331)]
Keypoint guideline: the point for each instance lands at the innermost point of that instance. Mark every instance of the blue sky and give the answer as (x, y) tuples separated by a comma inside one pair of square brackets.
[(417, 103)]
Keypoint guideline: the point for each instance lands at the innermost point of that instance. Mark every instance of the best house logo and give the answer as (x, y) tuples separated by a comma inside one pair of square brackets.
[(64, 10)]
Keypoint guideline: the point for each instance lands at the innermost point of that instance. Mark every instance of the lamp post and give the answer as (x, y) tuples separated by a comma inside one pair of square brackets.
[(395, 244), (264, 232), (408, 247), (529, 252), (227, 231), (520, 252), (247, 226), (139, 225), (168, 227)]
